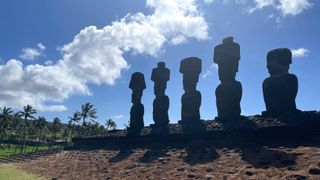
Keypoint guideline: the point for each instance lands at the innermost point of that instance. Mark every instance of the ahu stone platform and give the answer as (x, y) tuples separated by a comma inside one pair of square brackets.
[(300, 129)]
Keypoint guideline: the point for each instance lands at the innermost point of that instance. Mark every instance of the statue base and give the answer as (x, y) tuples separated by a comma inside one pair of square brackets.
[(228, 118), (192, 126), (159, 129), (233, 122), (291, 114), (133, 132)]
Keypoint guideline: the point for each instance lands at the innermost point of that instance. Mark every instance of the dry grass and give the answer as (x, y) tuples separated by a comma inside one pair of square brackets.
[(10, 172)]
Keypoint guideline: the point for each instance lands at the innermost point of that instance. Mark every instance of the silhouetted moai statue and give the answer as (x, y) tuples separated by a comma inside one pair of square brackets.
[(160, 76), (229, 92), (191, 99), (137, 84), (281, 88)]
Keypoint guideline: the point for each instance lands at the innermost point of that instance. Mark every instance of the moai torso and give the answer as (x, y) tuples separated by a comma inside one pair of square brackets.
[(281, 88), (137, 85), (229, 92), (160, 76), (191, 99)]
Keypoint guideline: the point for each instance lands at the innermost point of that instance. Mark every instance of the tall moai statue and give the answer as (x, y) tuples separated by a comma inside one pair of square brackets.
[(229, 92), (137, 85), (191, 99), (280, 88), (160, 76)]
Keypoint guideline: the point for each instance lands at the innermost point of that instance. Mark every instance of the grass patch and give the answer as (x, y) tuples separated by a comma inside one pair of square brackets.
[(10, 172), (5, 151)]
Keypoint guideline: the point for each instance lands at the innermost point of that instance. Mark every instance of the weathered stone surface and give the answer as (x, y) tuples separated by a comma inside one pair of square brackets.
[(191, 99), (137, 85), (160, 76), (229, 92), (246, 130), (281, 88)]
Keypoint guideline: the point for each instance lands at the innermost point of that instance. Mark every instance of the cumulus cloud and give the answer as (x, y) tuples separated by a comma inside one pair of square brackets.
[(37, 84), (48, 63), (32, 53), (301, 52), (95, 56)]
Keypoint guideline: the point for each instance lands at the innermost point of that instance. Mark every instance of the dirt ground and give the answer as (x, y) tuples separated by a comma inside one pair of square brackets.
[(181, 163)]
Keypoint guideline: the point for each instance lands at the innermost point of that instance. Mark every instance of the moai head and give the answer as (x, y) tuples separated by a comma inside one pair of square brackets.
[(191, 69), (278, 61), (160, 76), (227, 56), (137, 84)]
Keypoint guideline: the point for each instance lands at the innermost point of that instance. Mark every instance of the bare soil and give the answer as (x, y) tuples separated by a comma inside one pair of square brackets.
[(181, 163)]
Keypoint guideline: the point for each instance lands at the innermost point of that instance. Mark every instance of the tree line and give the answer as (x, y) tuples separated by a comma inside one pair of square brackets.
[(24, 127)]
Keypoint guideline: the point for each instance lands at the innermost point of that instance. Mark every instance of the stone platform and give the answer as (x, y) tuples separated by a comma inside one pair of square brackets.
[(256, 130)]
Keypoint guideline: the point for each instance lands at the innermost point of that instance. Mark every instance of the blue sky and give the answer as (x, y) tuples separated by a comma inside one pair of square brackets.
[(57, 55)]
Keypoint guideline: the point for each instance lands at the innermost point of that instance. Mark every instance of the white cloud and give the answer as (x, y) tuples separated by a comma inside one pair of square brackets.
[(301, 52), (293, 7), (208, 1), (118, 117), (260, 4), (48, 63), (270, 16), (285, 7), (206, 74), (41, 47), (96, 55), (32, 53), (37, 85), (209, 72)]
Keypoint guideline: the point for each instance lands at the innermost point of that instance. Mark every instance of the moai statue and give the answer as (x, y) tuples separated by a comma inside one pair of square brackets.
[(160, 76), (280, 88), (229, 92), (191, 99), (137, 85)]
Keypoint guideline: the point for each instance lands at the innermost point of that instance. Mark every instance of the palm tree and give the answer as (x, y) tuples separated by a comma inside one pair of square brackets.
[(18, 126), (27, 113), (40, 126), (76, 117), (65, 134), (111, 124), (56, 127), (87, 111), (6, 115), (17, 121)]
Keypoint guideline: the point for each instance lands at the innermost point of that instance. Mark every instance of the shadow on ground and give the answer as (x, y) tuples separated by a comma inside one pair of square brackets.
[(264, 157), (200, 155), (122, 155), (153, 154)]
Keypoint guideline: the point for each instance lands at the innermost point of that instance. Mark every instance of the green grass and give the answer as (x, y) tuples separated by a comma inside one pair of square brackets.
[(6, 152), (10, 172)]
